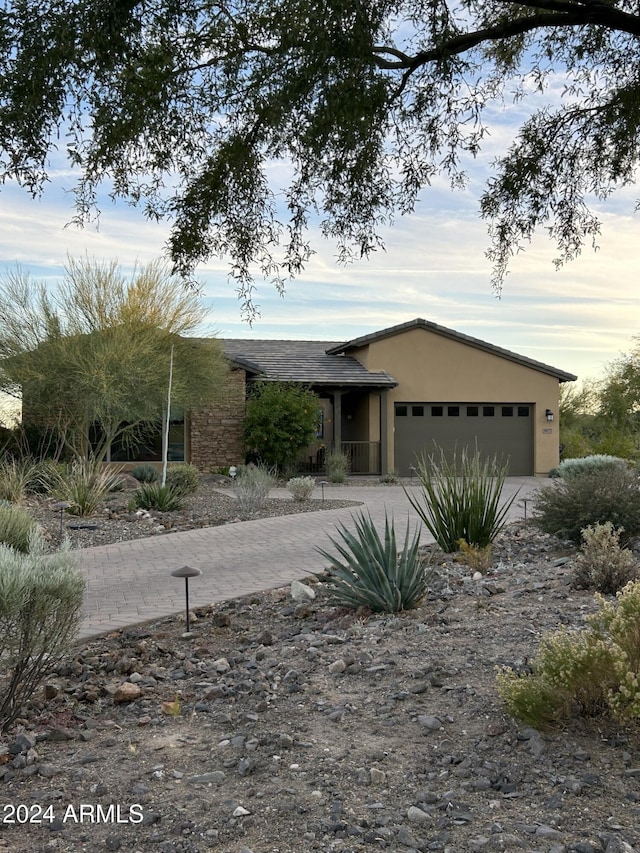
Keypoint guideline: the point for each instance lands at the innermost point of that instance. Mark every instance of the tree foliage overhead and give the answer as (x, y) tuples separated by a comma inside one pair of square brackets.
[(183, 107), (94, 354)]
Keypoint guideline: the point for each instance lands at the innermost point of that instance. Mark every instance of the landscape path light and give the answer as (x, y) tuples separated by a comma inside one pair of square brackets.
[(186, 572), (322, 484), (61, 505)]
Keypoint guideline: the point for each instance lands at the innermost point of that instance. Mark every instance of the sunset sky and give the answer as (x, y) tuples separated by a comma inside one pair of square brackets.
[(578, 318)]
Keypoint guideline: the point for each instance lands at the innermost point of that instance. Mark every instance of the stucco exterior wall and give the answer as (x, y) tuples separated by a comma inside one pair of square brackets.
[(433, 367), (215, 435)]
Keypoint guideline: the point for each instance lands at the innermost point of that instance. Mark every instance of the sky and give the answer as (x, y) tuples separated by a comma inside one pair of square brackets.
[(579, 318)]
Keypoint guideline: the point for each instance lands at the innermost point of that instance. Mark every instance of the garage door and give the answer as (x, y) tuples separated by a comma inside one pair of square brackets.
[(504, 429)]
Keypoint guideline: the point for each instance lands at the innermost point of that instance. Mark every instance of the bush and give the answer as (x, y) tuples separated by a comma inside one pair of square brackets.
[(145, 473), (460, 498), (17, 479), (374, 573), (301, 487), (602, 564), (596, 463), (17, 527), (45, 476), (281, 420), (183, 478), (586, 673), (252, 487), (478, 559), (336, 466), (154, 496), (40, 609), (84, 484), (567, 506)]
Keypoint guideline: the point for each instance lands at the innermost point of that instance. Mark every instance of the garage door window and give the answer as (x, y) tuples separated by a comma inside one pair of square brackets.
[(472, 411), (488, 411), (437, 411), (401, 411), (453, 411), (417, 411), (523, 411), (507, 411)]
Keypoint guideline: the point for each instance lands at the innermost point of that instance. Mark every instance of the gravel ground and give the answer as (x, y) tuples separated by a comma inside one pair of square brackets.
[(114, 521), (299, 726)]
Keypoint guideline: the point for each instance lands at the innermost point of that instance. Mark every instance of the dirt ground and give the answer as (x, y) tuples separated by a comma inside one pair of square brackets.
[(300, 726)]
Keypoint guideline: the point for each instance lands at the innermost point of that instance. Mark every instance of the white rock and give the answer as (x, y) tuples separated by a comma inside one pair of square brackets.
[(241, 812), (301, 592)]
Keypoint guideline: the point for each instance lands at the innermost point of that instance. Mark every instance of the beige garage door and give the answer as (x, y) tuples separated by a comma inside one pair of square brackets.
[(504, 429)]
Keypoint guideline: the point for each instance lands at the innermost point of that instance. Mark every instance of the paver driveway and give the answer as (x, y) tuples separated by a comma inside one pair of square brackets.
[(131, 582)]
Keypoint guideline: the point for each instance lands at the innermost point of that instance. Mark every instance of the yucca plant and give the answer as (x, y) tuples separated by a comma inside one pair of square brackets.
[(84, 484), (461, 498), (374, 573), (155, 496), (17, 479)]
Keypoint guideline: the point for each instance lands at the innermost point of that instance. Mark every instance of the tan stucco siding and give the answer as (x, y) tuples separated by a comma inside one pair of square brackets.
[(431, 367)]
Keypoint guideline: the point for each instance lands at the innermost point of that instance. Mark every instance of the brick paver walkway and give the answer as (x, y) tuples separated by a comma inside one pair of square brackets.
[(131, 582)]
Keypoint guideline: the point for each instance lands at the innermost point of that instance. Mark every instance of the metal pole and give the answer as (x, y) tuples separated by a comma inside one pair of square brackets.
[(186, 595)]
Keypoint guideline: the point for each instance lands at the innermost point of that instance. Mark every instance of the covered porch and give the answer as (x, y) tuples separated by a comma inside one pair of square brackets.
[(352, 421)]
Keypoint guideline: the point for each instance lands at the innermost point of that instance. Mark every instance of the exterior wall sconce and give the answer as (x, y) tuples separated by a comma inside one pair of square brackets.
[(549, 415)]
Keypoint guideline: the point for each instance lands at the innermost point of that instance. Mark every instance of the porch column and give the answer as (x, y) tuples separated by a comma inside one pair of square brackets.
[(384, 433), (337, 421)]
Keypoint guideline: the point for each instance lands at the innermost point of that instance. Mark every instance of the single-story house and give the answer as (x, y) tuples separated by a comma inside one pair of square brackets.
[(391, 395)]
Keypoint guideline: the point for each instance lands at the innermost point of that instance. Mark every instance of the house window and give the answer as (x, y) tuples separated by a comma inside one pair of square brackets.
[(523, 411), (401, 411), (472, 411), (417, 411), (507, 411), (488, 411), (453, 411), (436, 411), (320, 427)]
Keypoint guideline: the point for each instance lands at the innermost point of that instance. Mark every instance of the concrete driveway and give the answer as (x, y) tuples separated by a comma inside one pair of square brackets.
[(130, 582)]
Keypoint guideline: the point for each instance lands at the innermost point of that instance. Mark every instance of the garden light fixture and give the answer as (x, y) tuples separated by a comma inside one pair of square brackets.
[(186, 572)]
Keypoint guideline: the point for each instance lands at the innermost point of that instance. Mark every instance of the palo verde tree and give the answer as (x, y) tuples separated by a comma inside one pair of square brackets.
[(183, 107), (92, 357)]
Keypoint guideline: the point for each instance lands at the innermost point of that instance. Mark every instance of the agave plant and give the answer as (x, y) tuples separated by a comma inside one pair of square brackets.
[(374, 573), (160, 498)]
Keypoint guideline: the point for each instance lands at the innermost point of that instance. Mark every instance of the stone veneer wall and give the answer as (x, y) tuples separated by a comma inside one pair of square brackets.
[(215, 435)]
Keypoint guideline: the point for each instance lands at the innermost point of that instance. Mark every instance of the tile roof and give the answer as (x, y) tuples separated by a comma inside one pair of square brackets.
[(302, 361), (356, 343)]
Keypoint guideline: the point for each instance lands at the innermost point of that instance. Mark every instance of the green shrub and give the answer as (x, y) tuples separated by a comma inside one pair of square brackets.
[(183, 478), (301, 488), (252, 487), (461, 498), (145, 473), (374, 573), (336, 466), (281, 419), (17, 527), (566, 507), (602, 564), (596, 463), (154, 496), (40, 609), (584, 673), (17, 479), (84, 484)]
